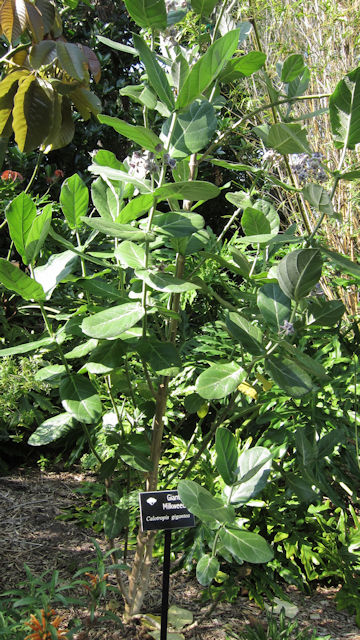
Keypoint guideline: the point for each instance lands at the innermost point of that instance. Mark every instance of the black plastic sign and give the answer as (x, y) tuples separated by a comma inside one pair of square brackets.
[(163, 510)]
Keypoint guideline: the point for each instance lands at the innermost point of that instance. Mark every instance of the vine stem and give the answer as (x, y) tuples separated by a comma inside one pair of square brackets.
[(34, 173)]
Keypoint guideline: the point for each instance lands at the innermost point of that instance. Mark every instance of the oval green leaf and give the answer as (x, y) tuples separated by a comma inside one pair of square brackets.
[(219, 380), (246, 546), (112, 322), (80, 399)]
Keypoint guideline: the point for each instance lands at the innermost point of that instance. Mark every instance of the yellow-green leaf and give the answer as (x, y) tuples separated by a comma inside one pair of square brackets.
[(32, 113), (86, 102), (34, 21), (13, 18), (8, 89)]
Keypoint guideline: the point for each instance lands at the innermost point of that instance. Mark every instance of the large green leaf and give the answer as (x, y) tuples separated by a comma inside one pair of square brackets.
[(344, 106), (80, 399), (254, 222), (226, 455), (131, 255), (270, 214), (145, 138), (274, 305), (253, 468), (112, 322), (243, 66), (288, 138), (219, 380), (165, 281), (156, 74), (292, 67), (32, 112), (325, 313), (115, 229), (20, 214), (52, 429), (289, 376), (345, 264), (202, 504), (38, 233), (246, 333), (134, 458), (14, 279), (135, 208), (26, 347), (193, 129), (148, 14), (305, 362), (206, 569), (298, 272), (318, 197), (178, 225), (121, 176), (57, 268), (246, 546), (105, 358), (101, 201), (162, 356), (74, 200), (207, 68), (195, 190)]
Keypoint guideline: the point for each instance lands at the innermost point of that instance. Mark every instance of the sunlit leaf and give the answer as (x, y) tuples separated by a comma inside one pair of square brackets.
[(207, 68), (219, 380), (144, 137), (226, 455), (74, 199), (193, 129), (80, 399), (246, 546), (299, 271), (288, 138), (206, 569), (289, 376), (52, 429), (148, 14), (274, 305), (14, 279), (202, 504), (344, 107), (112, 322)]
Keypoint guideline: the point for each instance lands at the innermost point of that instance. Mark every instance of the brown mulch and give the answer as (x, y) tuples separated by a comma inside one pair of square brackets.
[(30, 501)]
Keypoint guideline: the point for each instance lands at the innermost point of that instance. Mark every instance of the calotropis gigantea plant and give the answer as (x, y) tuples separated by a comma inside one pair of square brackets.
[(43, 77), (138, 262)]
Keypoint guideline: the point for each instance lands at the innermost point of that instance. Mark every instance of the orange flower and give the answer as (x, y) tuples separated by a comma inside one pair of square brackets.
[(41, 629), (94, 580), (11, 175)]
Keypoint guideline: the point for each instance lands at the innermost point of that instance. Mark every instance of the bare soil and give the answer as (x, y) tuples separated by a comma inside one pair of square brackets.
[(30, 502)]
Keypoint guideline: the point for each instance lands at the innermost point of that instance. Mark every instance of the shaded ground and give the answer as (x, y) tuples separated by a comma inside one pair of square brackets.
[(30, 503)]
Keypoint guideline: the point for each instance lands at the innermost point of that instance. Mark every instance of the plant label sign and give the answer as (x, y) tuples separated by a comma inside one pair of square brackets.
[(163, 510)]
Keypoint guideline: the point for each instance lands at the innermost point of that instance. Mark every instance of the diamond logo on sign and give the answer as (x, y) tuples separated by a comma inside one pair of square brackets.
[(163, 510)]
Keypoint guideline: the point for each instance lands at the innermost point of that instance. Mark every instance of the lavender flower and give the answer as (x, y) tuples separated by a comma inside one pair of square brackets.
[(287, 328)]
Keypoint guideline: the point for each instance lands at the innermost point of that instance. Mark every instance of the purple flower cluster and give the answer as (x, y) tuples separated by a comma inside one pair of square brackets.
[(145, 163), (308, 167)]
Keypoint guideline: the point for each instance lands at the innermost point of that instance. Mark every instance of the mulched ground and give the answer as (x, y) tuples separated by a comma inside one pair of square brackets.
[(30, 501)]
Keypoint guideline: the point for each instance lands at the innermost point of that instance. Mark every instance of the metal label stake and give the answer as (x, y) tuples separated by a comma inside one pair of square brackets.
[(165, 586), (164, 510)]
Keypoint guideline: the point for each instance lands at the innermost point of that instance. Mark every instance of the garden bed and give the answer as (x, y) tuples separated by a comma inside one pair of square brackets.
[(30, 502)]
